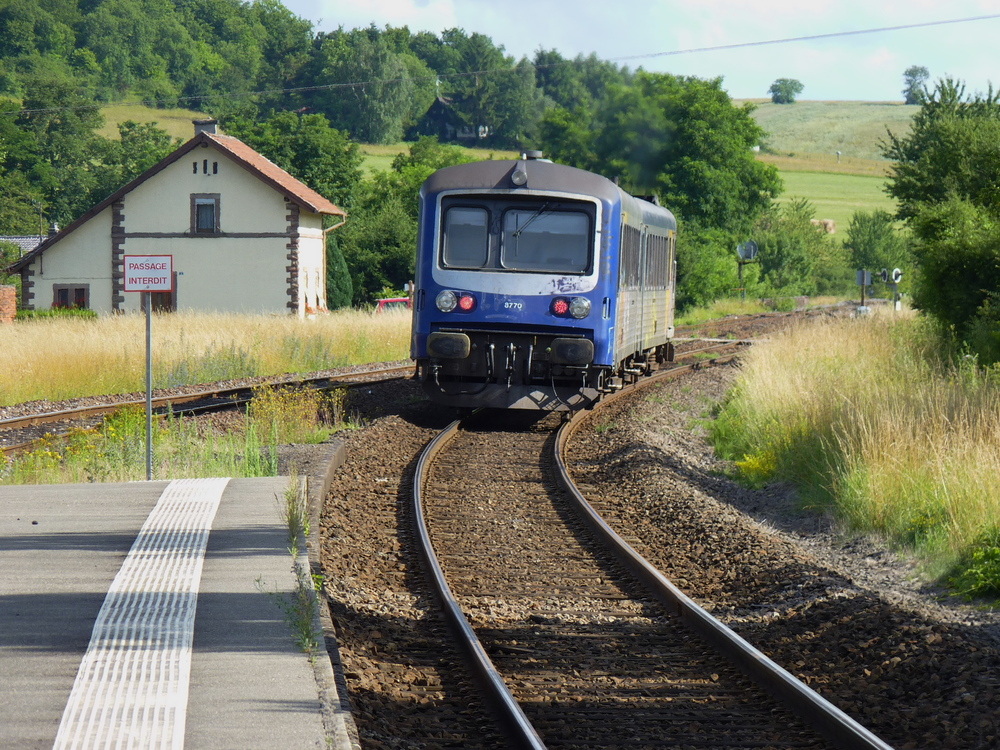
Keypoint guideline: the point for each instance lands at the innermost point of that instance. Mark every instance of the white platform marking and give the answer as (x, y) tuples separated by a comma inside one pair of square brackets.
[(132, 687)]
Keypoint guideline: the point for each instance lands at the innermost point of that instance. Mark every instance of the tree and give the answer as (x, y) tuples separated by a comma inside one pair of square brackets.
[(784, 90), (946, 180), (957, 253), (914, 80), (339, 285), (679, 137), (707, 269), (789, 245), (21, 208), (365, 87), (307, 147), (951, 149), (873, 242), (57, 147), (493, 96)]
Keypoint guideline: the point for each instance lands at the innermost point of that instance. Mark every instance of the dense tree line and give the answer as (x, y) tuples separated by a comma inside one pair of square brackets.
[(306, 99)]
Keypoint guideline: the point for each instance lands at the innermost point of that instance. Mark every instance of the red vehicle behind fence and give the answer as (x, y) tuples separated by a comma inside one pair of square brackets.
[(393, 303)]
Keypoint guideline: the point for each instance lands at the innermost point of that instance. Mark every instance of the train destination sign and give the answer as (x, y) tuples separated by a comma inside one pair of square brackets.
[(149, 273)]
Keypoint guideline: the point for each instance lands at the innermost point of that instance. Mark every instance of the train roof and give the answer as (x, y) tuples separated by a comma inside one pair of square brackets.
[(540, 174)]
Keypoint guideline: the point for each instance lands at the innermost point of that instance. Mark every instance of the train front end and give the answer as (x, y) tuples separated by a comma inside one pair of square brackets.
[(512, 307)]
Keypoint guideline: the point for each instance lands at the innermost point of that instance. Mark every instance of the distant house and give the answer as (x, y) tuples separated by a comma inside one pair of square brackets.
[(245, 236), (25, 242), (441, 120)]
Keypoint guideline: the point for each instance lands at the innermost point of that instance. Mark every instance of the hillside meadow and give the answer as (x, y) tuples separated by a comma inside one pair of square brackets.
[(176, 122), (855, 129)]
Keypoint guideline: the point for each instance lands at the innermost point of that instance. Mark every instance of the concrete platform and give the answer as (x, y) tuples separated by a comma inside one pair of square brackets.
[(124, 618)]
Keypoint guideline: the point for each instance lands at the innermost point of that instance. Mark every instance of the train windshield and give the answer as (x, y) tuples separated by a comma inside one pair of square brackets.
[(466, 240), (545, 240), (555, 236)]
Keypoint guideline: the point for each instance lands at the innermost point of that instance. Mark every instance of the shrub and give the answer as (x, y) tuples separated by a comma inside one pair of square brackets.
[(56, 312), (977, 572)]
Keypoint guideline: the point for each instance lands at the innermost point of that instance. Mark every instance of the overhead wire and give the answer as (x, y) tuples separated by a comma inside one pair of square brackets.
[(626, 58)]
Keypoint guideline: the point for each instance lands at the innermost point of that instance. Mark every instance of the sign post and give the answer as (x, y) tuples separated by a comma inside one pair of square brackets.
[(147, 274), (864, 280)]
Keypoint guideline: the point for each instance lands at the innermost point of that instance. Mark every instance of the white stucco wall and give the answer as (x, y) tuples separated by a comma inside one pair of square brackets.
[(245, 274), (82, 257)]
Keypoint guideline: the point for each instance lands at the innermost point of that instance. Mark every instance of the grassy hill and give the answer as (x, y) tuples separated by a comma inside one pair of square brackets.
[(854, 128), (177, 122), (803, 141)]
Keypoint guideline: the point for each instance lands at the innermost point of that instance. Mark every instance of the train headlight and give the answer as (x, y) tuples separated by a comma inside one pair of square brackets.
[(446, 301), (579, 307), (566, 307)]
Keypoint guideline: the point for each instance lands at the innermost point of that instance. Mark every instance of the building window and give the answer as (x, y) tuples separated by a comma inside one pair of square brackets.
[(71, 296), (205, 213)]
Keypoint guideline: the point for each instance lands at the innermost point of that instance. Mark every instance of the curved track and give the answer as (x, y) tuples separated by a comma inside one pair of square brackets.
[(21, 433), (606, 662)]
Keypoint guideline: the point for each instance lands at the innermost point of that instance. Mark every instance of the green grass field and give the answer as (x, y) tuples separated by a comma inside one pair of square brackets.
[(177, 122), (837, 196), (803, 142), (378, 158)]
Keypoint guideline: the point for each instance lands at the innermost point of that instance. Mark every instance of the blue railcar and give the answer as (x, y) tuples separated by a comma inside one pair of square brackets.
[(538, 286)]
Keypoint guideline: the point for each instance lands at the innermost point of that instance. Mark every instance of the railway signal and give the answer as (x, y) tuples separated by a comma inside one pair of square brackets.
[(747, 253), (864, 279)]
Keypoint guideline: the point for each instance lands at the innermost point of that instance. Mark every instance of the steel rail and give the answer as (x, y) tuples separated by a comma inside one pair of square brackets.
[(225, 398), (162, 402), (515, 723), (826, 718)]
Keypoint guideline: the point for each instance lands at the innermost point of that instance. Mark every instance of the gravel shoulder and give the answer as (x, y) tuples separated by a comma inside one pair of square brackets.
[(846, 613)]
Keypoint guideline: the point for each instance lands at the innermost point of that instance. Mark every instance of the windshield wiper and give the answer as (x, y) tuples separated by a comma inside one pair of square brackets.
[(517, 232)]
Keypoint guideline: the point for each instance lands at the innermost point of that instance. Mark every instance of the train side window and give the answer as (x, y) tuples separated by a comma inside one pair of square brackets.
[(466, 237), (629, 271)]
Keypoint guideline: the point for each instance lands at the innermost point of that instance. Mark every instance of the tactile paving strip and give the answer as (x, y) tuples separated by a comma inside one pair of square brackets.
[(131, 690)]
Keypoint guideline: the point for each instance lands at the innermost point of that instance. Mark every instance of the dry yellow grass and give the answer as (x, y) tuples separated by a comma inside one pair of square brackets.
[(65, 358), (902, 444)]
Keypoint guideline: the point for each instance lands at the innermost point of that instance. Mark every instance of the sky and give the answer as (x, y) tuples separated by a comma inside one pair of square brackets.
[(662, 36)]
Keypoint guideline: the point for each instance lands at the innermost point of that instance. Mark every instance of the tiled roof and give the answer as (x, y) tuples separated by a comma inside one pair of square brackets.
[(271, 172), (27, 242)]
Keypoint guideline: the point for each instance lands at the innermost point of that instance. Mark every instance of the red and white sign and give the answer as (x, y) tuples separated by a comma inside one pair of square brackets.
[(149, 273)]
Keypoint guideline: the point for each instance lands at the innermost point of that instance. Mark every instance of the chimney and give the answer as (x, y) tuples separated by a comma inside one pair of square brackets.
[(205, 126)]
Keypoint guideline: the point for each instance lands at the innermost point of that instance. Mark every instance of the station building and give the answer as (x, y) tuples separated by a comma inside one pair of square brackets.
[(244, 236)]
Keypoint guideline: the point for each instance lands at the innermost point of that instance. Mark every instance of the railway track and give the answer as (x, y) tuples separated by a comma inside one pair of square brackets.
[(573, 649), (22, 433)]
